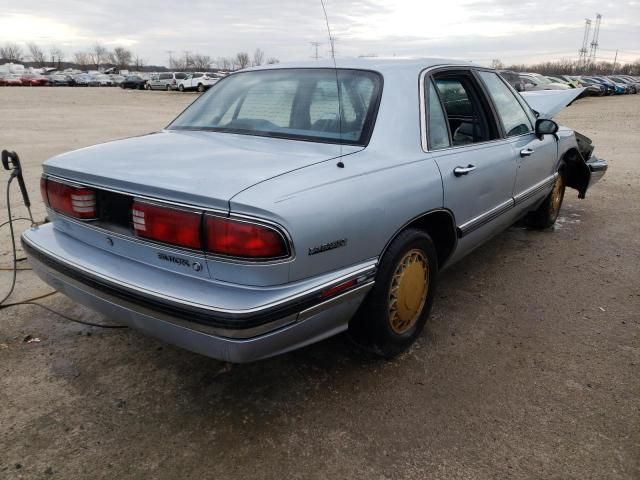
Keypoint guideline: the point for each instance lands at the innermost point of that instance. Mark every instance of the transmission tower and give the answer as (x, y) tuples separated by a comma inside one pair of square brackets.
[(315, 45), (582, 59), (594, 41)]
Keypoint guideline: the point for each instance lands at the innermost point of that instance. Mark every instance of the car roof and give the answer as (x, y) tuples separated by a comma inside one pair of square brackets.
[(386, 66)]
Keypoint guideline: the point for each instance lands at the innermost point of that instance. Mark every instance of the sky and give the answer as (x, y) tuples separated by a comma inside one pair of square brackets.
[(477, 30)]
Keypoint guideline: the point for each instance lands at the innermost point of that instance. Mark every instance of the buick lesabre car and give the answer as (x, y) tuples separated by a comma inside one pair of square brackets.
[(293, 202)]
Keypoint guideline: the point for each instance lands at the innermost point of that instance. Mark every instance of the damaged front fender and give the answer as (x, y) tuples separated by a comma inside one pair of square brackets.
[(580, 168)]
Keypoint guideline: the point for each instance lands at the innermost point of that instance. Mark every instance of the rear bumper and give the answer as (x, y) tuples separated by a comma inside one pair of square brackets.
[(288, 322)]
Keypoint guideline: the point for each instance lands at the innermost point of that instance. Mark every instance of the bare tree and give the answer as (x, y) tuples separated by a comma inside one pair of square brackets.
[(36, 54), (98, 54), (57, 56), (224, 63), (201, 62), (82, 58), (138, 63), (272, 61), (242, 60), (11, 52), (497, 64), (258, 58), (121, 57)]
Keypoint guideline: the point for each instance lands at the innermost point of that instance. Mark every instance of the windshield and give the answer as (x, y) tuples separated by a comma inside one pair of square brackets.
[(289, 103)]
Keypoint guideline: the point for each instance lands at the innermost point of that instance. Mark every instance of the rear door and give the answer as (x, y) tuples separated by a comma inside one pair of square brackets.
[(477, 165), (536, 157)]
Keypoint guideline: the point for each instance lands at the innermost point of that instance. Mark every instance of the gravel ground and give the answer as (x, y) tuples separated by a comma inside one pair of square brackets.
[(529, 368)]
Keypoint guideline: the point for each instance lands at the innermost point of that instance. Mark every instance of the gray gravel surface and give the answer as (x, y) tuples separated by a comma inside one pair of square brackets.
[(529, 367)]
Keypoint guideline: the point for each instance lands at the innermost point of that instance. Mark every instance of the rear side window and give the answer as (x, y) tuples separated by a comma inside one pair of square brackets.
[(466, 110), (436, 122), (165, 76), (513, 117), (180, 76)]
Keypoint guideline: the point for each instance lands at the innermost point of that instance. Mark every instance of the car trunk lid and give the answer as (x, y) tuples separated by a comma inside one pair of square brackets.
[(200, 168)]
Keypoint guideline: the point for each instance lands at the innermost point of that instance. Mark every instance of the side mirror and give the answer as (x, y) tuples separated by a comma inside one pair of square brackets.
[(545, 126)]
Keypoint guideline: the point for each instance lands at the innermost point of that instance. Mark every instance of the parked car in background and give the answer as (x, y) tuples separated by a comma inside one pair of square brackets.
[(86, 80), (103, 80), (199, 81), (34, 80), (294, 202), (165, 81), (535, 81), (513, 78), (58, 80), (10, 80), (593, 87), (613, 87), (629, 84), (116, 79), (134, 81)]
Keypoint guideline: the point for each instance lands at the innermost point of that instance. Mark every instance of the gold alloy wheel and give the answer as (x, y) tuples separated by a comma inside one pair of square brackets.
[(408, 293), (556, 194)]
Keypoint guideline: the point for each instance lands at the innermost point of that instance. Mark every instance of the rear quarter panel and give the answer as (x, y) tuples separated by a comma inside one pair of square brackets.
[(364, 203)]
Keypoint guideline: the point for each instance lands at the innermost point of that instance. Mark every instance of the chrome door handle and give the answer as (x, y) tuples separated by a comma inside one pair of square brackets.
[(459, 171), (526, 152)]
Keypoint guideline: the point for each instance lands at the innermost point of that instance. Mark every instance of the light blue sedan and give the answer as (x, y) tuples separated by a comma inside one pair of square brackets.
[(293, 202)]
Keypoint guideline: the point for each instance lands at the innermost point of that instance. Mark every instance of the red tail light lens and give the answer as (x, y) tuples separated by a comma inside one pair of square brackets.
[(168, 225), (242, 239), (77, 202)]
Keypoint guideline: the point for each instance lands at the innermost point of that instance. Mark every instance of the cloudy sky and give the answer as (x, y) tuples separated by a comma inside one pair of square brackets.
[(477, 30)]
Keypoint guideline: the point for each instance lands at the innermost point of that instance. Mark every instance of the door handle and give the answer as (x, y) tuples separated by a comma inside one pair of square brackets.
[(526, 152), (459, 171)]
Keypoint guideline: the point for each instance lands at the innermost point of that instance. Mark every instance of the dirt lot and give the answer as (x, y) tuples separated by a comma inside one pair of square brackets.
[(530, 367)]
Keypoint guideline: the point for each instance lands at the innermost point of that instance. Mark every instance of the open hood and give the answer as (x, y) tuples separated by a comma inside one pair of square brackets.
[(549, 102)]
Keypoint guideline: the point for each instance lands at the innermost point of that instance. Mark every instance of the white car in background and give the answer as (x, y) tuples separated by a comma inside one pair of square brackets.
[(199, 81), (535, 81)]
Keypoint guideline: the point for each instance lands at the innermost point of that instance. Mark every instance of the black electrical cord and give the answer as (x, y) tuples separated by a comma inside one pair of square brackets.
[(15, 269)]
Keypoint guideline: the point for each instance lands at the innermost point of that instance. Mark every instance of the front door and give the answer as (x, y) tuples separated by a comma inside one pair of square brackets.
[(536, 157)]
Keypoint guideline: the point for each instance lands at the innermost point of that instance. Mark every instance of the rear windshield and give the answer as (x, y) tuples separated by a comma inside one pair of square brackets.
[(290, 103)]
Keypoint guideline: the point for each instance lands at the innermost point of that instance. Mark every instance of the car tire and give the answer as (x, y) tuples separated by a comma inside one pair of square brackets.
[(181, 87), (396, 309), (200, 88), (168, 88), (546, 214)]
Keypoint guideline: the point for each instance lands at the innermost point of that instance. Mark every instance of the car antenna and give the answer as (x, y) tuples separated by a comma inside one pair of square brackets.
[(340, 164)]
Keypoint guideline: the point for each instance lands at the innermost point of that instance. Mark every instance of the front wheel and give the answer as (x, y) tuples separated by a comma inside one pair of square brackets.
[(200, 87), (168, 88), (547, 213), (397, 308), (181, 87)]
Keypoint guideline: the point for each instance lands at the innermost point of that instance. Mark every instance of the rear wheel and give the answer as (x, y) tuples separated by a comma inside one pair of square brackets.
[(200, 87), (181, 87), (168, 88), (547, 213), (397, 307)]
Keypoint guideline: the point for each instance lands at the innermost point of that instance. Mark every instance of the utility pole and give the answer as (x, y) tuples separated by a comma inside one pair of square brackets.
[(333, 41), (315, 45), (613, 70)]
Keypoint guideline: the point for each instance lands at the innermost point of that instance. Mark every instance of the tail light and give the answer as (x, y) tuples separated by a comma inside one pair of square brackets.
[(243, 239), (75, 201), (168, 225)]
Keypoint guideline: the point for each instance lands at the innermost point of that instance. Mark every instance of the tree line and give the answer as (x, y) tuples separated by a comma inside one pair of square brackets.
[(98, 56), (573, 67)]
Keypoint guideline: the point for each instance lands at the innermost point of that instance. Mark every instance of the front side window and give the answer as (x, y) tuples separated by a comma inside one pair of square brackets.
[(304, 104), (513, 117)]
